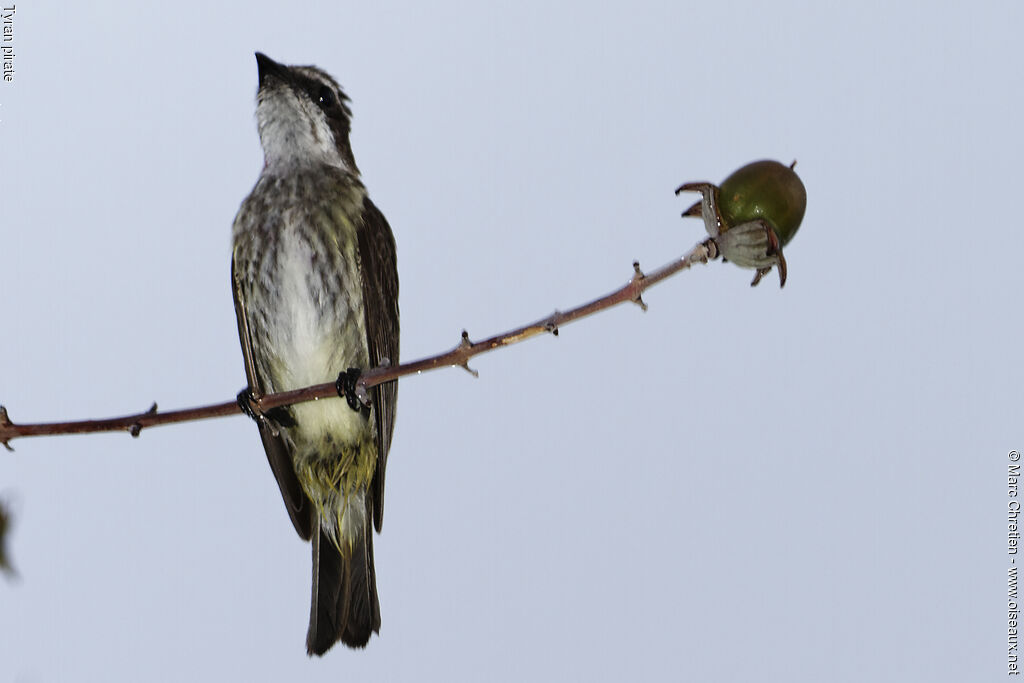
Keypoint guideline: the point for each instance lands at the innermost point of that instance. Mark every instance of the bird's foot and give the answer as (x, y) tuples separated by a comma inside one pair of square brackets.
[(248, 404), (346, 386)]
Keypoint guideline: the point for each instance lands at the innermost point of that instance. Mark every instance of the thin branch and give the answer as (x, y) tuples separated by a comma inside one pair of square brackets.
[(458, 356)]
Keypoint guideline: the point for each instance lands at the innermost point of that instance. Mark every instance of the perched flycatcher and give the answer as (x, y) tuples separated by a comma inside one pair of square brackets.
[(316, 293)]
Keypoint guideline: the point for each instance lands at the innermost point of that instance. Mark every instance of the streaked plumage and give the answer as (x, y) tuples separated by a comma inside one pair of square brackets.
[(316, 293)]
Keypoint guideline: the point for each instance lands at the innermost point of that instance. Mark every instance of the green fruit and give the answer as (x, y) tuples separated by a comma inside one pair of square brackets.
[(768, 190)]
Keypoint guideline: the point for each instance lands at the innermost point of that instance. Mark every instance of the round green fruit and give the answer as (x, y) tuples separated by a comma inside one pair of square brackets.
[(764, 189)]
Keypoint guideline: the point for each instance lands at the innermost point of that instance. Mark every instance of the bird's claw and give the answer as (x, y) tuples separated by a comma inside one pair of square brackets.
[(346, 386), (248, 404)]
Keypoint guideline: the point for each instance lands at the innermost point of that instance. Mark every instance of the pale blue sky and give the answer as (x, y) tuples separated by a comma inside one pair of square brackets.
[(806, 484)]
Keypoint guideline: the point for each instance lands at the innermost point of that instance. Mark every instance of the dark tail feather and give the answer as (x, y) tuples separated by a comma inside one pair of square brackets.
[(345, 605), (362, 603)]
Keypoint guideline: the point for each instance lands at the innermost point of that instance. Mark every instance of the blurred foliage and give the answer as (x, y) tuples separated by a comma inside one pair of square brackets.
[(5, 525)]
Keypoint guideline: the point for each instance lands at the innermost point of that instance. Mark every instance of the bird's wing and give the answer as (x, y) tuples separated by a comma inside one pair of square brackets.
[(380, 300), (295, 500)]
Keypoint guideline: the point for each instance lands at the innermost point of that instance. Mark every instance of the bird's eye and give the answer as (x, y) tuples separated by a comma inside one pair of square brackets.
[(326, 97)]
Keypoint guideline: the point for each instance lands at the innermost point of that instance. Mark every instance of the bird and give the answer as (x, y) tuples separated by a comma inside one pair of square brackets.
[(315, 286)]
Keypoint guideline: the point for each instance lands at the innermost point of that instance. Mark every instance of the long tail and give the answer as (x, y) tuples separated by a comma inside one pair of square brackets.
[(345, 605)]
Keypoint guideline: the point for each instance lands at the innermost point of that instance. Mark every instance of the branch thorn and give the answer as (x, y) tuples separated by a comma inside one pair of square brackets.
[(136, 427), (464, 343), (638, 276), (5, 421)]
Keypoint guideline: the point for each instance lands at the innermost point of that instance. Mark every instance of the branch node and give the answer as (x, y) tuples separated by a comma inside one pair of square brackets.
[(638, 277), (710, 251), (136, 427), (551, 324), (467, 346), (5, 421)]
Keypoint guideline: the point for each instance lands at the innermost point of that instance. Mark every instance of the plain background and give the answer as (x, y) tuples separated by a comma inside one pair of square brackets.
[(739, 484)]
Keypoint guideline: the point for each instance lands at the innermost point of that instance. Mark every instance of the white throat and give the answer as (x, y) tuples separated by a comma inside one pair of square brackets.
[(294, 132)]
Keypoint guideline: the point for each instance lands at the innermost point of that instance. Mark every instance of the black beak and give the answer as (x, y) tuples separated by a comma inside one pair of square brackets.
[(269, 68)]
